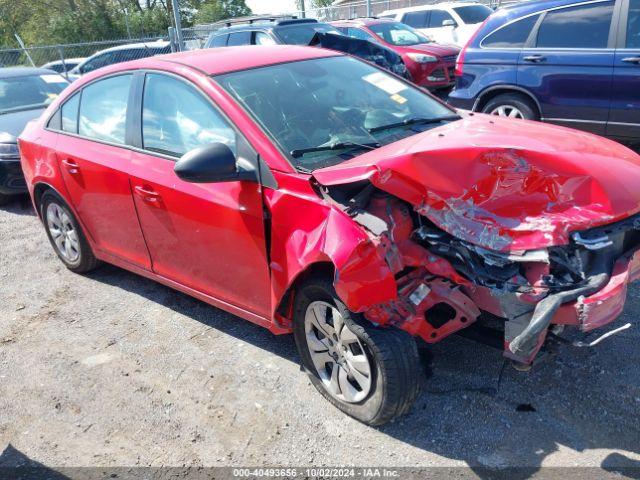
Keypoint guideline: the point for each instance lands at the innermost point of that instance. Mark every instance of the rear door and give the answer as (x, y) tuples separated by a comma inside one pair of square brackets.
[(624, 117), (568, 65), (95, 162)]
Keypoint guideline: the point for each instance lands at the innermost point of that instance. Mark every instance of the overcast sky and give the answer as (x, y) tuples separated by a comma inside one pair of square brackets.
[(272, 6)]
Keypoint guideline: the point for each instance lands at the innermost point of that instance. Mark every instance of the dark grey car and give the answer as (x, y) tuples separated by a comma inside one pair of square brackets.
[(24, 94)]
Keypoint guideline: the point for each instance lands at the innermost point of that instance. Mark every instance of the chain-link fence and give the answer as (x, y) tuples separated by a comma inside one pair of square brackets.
[(63, 58)]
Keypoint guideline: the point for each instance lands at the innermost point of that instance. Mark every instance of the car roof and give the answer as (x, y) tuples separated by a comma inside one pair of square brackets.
[(153, 44), (10, 72), (430, 7), (265, 23), (216, 61), (362, 21), (66, 60), (535, 5)]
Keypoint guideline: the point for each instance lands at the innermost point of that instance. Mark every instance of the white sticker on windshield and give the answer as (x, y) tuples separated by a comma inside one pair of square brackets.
[(52, 78), (385, 82)]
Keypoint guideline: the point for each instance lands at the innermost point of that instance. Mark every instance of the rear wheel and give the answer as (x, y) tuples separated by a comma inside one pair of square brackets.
[(4, 199), (512, 105), (368, 372), (65, 234)]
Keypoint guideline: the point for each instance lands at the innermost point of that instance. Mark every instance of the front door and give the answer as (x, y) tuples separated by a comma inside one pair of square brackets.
[(624, 117), (208, 237), (569, 65), (95, 165)]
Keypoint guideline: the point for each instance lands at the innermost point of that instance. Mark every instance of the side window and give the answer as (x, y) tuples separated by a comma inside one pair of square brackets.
[(70, 114), (176, 118), (239, 38), (438, 17), (514, 35), (633, 25), (416, 19), (262, 38), (103, 109), (220, 41), (584, 26), (359, 34)]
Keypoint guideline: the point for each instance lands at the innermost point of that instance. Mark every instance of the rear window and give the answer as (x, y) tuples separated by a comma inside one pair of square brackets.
[(513, 35), (304, 33), (239, 38), (584, 26), (219, 41), (471, 14)]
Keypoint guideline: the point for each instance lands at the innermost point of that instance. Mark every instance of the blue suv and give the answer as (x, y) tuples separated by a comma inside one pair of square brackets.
[(571, 63)]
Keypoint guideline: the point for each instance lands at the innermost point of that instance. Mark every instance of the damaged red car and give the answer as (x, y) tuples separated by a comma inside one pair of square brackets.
[(313, 193)]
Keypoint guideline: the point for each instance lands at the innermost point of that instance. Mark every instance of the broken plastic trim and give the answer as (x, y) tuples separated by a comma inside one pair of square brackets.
[(525, 344), (592, 243)]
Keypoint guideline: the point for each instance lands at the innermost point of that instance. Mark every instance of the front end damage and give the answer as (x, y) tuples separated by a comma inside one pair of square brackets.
[(444, 284), (453, 267)]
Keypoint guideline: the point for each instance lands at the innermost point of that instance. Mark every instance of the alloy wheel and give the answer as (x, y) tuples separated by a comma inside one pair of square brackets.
[(337, 354), (63, 233), (507, 111)]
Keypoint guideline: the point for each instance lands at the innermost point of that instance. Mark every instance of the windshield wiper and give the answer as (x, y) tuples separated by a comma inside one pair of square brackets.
[(413, 121), (334, 146)]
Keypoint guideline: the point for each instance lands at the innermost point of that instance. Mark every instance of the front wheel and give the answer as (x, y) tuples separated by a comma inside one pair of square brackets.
[(372, 374)]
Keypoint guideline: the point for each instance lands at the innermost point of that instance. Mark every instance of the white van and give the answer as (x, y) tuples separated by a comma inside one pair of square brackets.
[(452, 23)]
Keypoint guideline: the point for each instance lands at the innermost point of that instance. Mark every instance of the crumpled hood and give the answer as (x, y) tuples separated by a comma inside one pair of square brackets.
[(507, 185)]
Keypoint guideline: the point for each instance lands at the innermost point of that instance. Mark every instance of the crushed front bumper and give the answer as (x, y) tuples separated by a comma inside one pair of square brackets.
[(587, 313)]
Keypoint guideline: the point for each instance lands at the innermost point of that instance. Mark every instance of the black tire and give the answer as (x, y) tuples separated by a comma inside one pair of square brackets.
[(392, 353), (4, 199), (86, 260), (514, 100)]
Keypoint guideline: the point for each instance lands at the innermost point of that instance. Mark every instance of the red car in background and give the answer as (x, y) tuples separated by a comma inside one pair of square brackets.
[(311, 192), (431, 65)]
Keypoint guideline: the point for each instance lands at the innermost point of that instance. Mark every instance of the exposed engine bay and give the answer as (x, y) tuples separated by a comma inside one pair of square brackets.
[(445, 283)]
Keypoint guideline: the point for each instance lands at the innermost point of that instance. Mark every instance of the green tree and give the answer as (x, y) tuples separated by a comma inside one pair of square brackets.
[(211, 11)]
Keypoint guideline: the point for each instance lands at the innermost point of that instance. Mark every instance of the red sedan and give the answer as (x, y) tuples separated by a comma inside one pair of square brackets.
[(310, 192), (431, 65)]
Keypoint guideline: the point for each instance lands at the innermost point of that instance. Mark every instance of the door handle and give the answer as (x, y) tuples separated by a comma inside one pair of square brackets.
[(146, 194), (635, 60), (72, 167), (535, 58)]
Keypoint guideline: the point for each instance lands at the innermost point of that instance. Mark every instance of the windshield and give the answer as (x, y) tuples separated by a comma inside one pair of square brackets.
[(29, 92), (473, 13), (322, 112), (397, 33), (301, 34)]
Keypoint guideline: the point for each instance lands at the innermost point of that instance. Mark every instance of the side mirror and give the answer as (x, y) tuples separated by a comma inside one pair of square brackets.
[(448, 23), (210, 164)]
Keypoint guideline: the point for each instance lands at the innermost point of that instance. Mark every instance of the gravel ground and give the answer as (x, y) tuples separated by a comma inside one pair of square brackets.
[(111, 369)]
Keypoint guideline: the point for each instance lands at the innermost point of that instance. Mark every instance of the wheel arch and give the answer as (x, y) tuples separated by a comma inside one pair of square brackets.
[(492, 92), (321, 268), (39, 190)]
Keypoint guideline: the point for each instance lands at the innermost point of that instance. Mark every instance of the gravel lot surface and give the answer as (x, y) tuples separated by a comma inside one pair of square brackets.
[(111, 369)]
